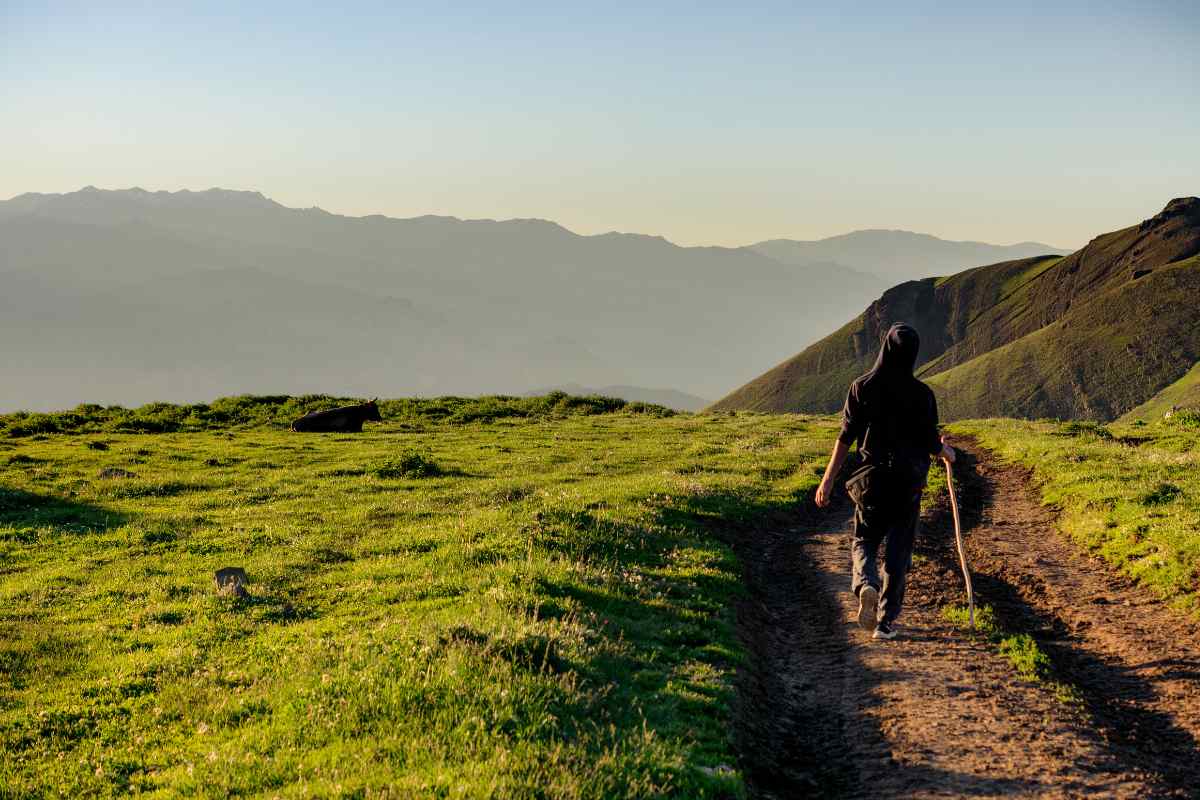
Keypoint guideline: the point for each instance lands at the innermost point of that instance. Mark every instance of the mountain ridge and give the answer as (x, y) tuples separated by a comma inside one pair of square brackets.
[(495, 307), (1137, 286), (492, 306), (31, 200), (899, 254)]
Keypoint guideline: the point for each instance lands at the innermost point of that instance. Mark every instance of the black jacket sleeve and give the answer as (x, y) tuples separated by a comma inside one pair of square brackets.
[(934, 437), (854, 418)]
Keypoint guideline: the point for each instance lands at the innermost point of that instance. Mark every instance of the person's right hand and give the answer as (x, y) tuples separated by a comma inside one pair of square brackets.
[(947, 453), (824, 493)]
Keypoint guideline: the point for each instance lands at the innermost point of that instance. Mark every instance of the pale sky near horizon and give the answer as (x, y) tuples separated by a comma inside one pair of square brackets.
[(708, 125)]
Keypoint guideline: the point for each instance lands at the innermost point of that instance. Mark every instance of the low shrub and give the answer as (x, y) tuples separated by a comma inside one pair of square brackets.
[(1189, 418), (1161, 494), (1084, 428), (408, 465)]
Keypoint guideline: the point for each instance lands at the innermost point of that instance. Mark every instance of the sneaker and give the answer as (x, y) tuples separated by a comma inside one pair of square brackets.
[(884, 630), (868, 603)]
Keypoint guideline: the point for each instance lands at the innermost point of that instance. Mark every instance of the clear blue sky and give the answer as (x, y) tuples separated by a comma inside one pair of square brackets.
[(1004, 122)]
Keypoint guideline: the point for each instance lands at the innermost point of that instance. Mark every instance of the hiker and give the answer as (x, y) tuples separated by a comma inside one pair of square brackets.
[(893, 417)]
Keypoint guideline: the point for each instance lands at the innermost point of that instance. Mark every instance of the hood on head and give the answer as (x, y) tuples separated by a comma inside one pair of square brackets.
[(898, 350)]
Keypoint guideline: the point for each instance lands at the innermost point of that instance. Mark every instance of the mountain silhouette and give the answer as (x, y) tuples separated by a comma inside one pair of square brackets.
[(1089, 335), (897, 255), (133, 295)]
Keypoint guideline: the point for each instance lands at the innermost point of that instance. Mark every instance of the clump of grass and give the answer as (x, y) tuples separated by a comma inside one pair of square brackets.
[(1084, 428), (1020, 649), (505, 495), (1189, 419), (985, 619), (407, 465), (1161, 494), (1030, 661), (21, 535)]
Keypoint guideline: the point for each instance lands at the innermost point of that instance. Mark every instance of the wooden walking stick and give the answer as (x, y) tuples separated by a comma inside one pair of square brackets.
[(962, 552)]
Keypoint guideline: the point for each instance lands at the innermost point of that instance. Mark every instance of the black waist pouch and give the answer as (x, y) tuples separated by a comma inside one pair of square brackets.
[(866, 485), (873, 485)]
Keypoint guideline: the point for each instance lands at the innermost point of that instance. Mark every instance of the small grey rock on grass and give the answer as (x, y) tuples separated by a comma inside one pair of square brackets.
[(231, 581)]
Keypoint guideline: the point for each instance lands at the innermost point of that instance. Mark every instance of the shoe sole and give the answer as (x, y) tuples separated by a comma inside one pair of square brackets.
[(884, 636), (868, 605)]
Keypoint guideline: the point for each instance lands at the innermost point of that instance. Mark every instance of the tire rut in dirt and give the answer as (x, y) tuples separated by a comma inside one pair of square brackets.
[(1138, 735), (791, 723)]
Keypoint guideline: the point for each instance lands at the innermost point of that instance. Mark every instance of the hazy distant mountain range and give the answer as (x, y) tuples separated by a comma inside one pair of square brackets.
[(130, 296), (896, 255), (1110, 329)]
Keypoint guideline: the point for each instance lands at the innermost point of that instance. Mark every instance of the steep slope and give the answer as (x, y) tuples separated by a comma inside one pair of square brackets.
[(815, 380), (1091, 334), (1106, 355)]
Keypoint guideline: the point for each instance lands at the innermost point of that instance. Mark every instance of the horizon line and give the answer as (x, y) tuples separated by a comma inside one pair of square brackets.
[(545, 220)]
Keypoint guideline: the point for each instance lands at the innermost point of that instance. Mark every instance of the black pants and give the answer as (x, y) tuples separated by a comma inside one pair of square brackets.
[(895, 526)]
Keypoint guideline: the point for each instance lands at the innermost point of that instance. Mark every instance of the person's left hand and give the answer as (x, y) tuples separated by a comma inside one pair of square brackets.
[(947, 453)]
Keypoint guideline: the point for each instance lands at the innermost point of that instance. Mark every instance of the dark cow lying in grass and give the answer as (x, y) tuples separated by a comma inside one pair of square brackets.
[(348, 419)]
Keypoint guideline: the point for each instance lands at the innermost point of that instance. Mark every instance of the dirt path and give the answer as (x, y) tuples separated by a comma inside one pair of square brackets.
[(825, 711)]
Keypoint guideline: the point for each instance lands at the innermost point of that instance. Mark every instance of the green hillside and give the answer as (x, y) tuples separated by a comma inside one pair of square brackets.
[(1104, 356), (1091, 334), (478, 598), (817, 377), (1183, 394)]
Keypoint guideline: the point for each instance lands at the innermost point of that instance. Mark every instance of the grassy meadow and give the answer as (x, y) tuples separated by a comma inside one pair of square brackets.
[(494, 598), (1128, 492)]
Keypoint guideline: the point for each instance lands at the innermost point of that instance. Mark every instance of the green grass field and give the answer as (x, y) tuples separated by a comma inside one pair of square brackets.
[(1129, 493), (494, 597), (526, 605)]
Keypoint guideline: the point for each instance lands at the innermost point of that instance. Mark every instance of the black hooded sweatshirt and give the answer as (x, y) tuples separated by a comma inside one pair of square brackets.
[(892, 415)]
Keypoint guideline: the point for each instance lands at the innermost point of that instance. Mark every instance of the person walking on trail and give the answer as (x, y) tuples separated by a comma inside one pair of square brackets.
[(893, 418)]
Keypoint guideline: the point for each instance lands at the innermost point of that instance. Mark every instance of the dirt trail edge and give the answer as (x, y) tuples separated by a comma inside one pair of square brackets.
[(824, 711)]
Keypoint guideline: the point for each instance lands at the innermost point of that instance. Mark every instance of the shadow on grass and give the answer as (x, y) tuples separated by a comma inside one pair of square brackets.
[(26, 511), (28, 644), (665, 607)]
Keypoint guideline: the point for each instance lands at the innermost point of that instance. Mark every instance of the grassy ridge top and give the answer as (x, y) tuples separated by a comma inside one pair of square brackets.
[(1009, 338), (535, 607), (278, 411)]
